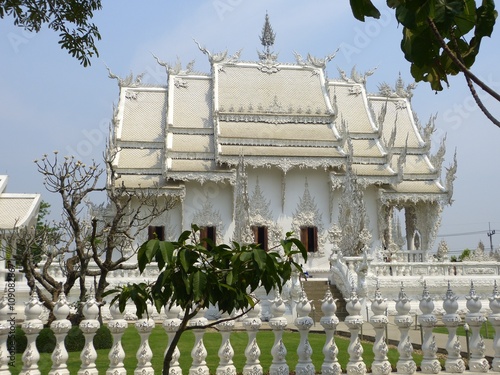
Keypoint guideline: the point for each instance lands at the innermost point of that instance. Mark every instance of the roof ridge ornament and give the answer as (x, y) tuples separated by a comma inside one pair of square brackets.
[(267, 40), (175, 68), (128, 81)]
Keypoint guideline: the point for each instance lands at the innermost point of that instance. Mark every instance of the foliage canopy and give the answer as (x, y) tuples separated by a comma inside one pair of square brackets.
[(71, 19)]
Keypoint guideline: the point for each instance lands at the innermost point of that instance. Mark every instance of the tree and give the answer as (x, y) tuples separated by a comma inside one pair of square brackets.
[(194, 278), (89, 241), (71, 19), (435, 37)]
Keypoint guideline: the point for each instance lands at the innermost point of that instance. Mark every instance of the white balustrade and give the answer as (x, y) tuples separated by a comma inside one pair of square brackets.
[(405, 365), (117, 326), (31, 327), (171, 325), (252, 323), (144, 353), (430, 364), (89, 327), (475, 320), (329, 321), (304, 322), (60, 327), (226, 351), (494, 319), (354, 321), (199, 352), (278, 323), (451, 320), (379, 320)]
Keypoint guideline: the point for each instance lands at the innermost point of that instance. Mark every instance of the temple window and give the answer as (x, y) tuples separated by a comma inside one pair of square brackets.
[(309, 237), (260, 236), (156, 232), (208, 233)]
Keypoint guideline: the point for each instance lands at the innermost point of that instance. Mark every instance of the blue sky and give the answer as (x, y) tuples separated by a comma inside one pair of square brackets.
[(49, 102)]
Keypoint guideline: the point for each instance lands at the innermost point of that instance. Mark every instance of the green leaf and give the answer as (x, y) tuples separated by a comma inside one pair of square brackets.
[(199, 284), (364, 8), (146, 253), (260, 257)]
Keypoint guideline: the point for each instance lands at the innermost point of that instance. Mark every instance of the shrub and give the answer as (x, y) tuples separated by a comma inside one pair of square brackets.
[(75, 341), (46, 341)]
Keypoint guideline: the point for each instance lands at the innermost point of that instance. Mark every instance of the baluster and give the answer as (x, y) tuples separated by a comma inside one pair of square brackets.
[(31, 327), (144, 353), (329, 322), (4, 334), (226, 351), (380, 365), (252, 324), (451, 320), (430, 363), (199, 352), (171, 325), (278, 323), (304, 322), (60, 327), (117, 327), (354, 321), (405, 365), (475, 320), (89, 327), (494, 319)]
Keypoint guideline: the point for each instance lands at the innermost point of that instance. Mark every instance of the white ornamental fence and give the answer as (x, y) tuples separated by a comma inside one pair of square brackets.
[(303, 323)]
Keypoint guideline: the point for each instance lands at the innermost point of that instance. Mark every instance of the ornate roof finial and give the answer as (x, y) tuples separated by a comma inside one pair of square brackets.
[(267, 40)]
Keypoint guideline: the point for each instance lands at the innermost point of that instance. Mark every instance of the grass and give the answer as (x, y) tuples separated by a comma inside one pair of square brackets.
[(212, 341), (487, 330)]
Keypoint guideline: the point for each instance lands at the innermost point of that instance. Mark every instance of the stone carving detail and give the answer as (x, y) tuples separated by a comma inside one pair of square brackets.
[(260, 215), (242, 231), (308, 214), (176, 69), (399, 91), (208, 217), (356, 77), (128, 81), (352, 216)]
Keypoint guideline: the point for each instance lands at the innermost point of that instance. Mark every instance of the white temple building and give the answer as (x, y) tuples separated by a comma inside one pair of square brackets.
[(17, 211), (260, 148)]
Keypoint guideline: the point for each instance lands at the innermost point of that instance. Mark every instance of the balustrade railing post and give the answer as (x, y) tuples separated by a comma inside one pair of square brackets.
[(252, 323), (451, 320), (304, 322), (278, 323), (430, 363), (354, 321), (31, 327), (199, 351), (4, 334), (60, 327), (89, 327), (329, 321), (379, 321), (405, 365), (226, 351), (171, 325), (117, 327), (144, 353), (475, 320), (494, 319)]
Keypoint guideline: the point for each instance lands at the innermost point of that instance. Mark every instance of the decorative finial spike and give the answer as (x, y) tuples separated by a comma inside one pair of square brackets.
[(267, 39)]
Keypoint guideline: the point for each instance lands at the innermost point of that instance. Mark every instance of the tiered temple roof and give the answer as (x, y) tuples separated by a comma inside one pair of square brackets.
[(286, 115), (17, 210)]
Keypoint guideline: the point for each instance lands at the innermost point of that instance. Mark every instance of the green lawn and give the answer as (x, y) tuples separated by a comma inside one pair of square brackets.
[(487, 330), (212, 340)]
